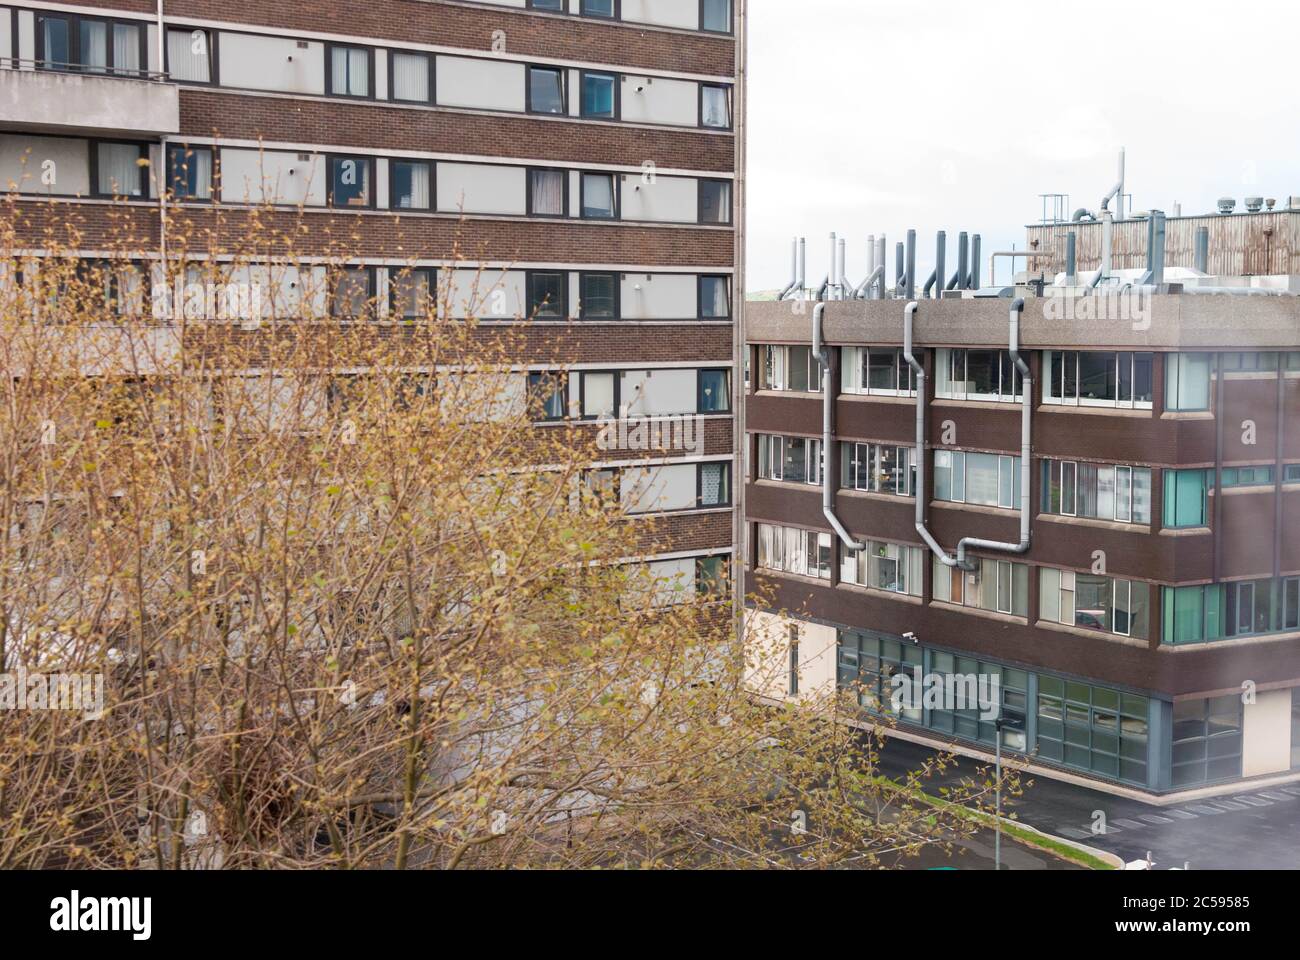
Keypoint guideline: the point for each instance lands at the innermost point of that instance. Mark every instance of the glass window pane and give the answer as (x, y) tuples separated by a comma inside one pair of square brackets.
[(546, 295), (598, 196), (546, 193), (94, 46), (715, 300), (715, 107), (598, 395), (715, 201), (598, 95), (189, 172), (350, 181), (411, 184), (715, 395), (119, 170), (188, 57), (599, 296), (410, 76), (716, 16), (56, 50), (545, 90)]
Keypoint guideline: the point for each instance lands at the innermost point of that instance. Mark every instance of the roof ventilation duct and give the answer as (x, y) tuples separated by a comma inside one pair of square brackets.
[(1227, 205)]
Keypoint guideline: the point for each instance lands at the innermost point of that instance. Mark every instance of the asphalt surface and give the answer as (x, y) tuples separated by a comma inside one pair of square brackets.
[(1251, 830)]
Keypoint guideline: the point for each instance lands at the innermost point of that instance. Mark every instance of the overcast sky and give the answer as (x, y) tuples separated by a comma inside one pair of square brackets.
[(868, 116)]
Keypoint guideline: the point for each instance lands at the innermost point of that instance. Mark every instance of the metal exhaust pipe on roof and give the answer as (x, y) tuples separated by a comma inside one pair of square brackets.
[(882, 250), (1156, 235), (973, 279), (1071, 258), (900, 269), (911, 265), (1203, 250), (794, 271), (828, 433), (940, 255), (842, 267), (963, 258), (803, 267)]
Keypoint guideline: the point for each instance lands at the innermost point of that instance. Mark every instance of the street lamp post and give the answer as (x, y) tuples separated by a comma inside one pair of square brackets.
[(997, 788)]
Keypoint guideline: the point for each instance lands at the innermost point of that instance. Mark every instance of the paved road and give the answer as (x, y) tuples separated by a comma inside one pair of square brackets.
[(1252, 830)]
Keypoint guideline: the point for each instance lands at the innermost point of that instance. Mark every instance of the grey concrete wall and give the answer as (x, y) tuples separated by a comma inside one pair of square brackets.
[(106, 106)]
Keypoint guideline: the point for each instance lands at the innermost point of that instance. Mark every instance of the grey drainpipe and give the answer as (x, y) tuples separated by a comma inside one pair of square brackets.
[(1026, 436), (909, 316), (828, 423), (1026, 427)]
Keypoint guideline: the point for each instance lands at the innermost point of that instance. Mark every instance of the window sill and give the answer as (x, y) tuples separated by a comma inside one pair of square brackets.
[(1186, 532), (878, 497), (1008, 512), (884, 594), (979, 612), (1135, 642), (1230, 642), (1095, 523), (1140, 413), (1191, 415)]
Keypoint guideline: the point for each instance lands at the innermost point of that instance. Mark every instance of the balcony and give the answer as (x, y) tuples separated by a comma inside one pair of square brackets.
[(87, 104)]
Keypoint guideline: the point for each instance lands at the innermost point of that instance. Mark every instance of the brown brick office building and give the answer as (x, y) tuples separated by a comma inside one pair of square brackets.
[(1149, 634), (585, 154)]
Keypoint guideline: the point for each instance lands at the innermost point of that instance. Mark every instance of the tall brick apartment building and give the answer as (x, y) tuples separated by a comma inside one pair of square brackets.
[(585, 155), (1085, 485)]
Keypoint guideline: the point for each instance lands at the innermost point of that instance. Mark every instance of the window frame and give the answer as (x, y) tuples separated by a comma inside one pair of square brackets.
[(617, 376), (371, 289), (731, 20), (528, 193), (529, 277), (616, 183), (210, 36), (331, 47), (529, 106), (729, 90), (214, 179), (536, 378), (699, 298), (616, 85), (433, 76), (94, 143), (731, 194), (727, 479), (331, 159), (616, 7), (431, 275), (726, 411), (617, 278), (1049, 397), (75, 21), (392, 185)]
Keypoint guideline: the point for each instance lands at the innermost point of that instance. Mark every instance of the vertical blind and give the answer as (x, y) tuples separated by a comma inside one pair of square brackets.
[(410, 76), (187, 55)]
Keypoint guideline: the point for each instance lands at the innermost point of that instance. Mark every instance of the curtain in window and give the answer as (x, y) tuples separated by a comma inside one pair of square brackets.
[(119, 172), (126, 49), (198, 173), (55, 41), (351, 71), (548, 193), (94, 46), (410, 77), (411, 185), (713, 298), (716, 110), (187, 55), (712, 484)]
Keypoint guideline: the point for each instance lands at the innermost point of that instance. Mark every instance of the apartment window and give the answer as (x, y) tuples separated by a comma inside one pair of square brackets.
[(977, 375), (548, 193), (189, 172), (548, 295), (878, 371), (599, 293), (1206, 613), (1264, 361), (119, 169), (715, 298), (598, 395), (714, 391), (555, 6), (1187, 498), (1093, 728), (715, 106), (714, 485), (413, 293), (599, 95), (546, 90), (66, 42), (605, 9), (715, 201), (1292, 474), (712, 577), (351, 291), (1095, 603), (1097, 491), (599, 196), (1094, 379), (411, 184), (348, 69), (804, 553), (877, 468), (790, 459), (410, 76), (190, 55), (1245, 477), (1291, 604), (794, 369), (986, 479), (350, 181), (548, 396), (999, 586), (891, 567), (1187, 381), (1207, 740), (715, 16)]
